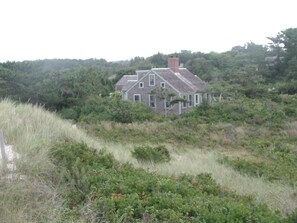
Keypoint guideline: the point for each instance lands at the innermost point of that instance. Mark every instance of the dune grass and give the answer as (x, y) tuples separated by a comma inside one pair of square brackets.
[(33, 131), (277, 196), (193, 161)]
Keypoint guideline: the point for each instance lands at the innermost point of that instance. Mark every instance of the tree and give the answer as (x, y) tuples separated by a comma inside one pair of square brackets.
[(284, 46), (159, 60), (163, 94), (285, 43)]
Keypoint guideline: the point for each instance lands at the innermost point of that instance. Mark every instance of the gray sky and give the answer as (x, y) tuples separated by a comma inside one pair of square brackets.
[(123, 29)]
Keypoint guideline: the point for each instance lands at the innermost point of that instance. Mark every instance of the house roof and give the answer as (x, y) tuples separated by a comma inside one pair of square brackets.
[(183, 81), (195, 80), (125, 82), (142, 72), (173, 79)]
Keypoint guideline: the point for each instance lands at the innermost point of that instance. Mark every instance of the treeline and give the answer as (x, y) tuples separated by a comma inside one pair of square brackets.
[(56, 84), (68, 86)]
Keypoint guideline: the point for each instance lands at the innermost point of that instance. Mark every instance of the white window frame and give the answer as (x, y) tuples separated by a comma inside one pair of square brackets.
[(197, 100), (141, 85), (152, 77), (139, 95), (184, 104), (150, 95), (162, 84), (165, 102), (190, 99)]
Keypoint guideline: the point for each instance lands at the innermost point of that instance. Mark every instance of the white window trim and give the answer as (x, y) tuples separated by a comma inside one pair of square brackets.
[(197, 102), (165, 102), (125, 96), (163, 83), (154, 101), (137, 95), (190, 103), (141, 83), (184, 103), (154, 77)]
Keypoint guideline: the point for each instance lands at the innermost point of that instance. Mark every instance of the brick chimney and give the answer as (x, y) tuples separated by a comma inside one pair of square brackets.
[(173, 64)]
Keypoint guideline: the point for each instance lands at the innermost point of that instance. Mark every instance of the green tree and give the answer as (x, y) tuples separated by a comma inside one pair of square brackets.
[(284, 45)]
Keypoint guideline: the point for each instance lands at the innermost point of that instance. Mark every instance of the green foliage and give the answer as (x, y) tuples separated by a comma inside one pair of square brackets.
[(127, 111), (69, 113), (252, 168), (288, 88), (284, 45), (205, 183), (96, 188), (245, 110), (113, 108), (281, 161), (155, 154), (56, 84)]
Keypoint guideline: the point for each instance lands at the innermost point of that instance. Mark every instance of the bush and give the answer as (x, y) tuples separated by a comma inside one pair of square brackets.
[(69, 113), (113, 108), (288, 88), (156, 154), (98, 189)]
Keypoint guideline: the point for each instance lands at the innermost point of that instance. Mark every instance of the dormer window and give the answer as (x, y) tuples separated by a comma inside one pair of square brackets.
[(162, 84), (141, 85), (152, 79)]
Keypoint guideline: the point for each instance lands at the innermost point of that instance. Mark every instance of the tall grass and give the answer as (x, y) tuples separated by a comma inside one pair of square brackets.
[(277, 196), (33, 131)]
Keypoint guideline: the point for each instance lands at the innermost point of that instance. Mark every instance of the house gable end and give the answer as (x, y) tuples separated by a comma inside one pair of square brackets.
[(167, 83), (137, 82), (174, 80)]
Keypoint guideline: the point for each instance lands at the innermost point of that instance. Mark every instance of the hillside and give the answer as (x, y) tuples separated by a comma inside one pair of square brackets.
[(44, 196), (88, 156)]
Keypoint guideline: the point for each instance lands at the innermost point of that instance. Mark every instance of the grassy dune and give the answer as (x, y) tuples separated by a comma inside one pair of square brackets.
[(33, 131), (277, 196), (193, 161)]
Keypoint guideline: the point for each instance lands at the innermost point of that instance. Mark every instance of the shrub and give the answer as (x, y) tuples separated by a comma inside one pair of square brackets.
[(98, 189), (69, 113), (288, 88), (156, 154)]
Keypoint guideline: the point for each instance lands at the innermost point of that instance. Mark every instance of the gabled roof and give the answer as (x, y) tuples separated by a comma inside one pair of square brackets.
[(183, 82), (195, 80), (142, 72), (125, 82), (173, 79)]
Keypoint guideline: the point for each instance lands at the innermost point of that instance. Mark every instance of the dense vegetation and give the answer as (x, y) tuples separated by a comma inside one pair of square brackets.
[(101, 190), (77, 88), (150, 172)]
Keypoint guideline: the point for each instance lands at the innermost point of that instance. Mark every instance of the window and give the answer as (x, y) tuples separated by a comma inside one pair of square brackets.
[(152, 101), (190, 100), (162, 84), (141, 84), (197, 99), (137, 98), (168, 100), (184, 101), (152, 79)]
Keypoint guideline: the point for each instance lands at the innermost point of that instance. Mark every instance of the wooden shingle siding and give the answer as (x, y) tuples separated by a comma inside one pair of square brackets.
[(161, 83)]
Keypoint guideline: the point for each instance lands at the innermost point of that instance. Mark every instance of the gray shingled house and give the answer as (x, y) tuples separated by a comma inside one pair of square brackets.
[(160, 87)]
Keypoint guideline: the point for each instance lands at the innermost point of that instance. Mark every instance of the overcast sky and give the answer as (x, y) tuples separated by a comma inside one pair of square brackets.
[(123, 29)]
